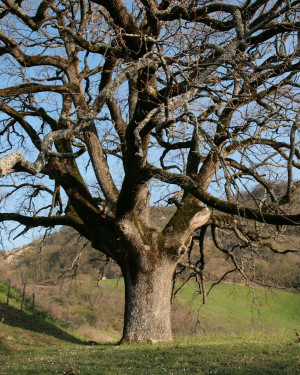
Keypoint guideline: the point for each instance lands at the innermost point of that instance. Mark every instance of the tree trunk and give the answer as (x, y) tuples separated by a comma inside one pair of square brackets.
[(147, 303)]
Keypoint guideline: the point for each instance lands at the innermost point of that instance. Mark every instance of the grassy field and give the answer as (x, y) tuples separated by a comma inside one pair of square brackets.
[(230, 308), (257, 353), (34, 344), (236, 308)]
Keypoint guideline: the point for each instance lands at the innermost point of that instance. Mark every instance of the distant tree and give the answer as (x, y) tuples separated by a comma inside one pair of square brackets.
[(110, 106)]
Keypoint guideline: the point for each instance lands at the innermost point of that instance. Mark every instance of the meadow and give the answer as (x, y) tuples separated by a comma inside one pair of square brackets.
[(247, 332)]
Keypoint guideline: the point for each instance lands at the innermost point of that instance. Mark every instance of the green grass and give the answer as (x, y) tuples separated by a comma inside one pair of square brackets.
[(236, 308), (34, 344), (256, 353)]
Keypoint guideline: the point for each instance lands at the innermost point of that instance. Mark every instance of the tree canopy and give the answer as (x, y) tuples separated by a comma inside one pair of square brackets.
[(109, 107)]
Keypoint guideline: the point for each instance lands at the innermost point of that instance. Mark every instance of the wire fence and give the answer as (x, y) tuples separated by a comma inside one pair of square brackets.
[(26, 301)]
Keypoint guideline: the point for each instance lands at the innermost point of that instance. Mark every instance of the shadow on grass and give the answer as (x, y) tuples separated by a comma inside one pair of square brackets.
[(34, 322), (3, 349)]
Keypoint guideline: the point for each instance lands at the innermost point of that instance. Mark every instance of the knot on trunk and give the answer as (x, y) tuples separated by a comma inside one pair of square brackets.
[(134, 233), (182, 250), (179, 234)]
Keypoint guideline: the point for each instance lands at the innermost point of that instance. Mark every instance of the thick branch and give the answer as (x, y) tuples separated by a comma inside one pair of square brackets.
[(44, 221), (199, 15), (119, 14), (26, 126), (31, 88), (12, 47), (100, 165), (225, 206), (34, 22), (16, 162)]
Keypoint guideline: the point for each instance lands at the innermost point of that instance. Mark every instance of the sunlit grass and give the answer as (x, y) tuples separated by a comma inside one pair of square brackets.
[(34, 344), (254, 353), (237, 308)]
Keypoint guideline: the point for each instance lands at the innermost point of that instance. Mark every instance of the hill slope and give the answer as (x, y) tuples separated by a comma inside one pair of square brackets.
[(95, 311), (94, 305), (64, 253), (33, 345)]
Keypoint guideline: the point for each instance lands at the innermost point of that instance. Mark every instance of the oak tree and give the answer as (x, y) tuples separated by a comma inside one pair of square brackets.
[(109, 107)]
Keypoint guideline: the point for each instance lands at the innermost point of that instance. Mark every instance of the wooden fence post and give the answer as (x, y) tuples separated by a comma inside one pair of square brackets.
[(23, 296), (8, 291), (33, 302)]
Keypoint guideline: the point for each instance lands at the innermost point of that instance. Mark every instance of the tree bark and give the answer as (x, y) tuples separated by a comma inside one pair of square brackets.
[(147, 303)]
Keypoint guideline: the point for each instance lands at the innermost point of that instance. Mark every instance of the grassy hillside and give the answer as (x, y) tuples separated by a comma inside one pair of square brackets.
[(237, 308), (21, 329), (95, 310), (239, 331), (30, 344), (229, 308)]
